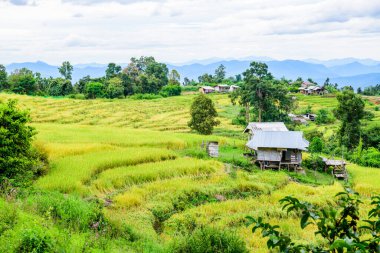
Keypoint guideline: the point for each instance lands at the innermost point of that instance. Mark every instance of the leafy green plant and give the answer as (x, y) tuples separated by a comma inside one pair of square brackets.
[(209, 240), (18, 159), (203, 114), (339, 226)]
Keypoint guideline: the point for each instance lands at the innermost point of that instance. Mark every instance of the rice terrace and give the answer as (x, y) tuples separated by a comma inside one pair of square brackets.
[(189, 126), (152, 178)]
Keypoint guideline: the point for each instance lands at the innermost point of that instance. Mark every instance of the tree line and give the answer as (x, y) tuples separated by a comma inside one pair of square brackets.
[(142, 75)]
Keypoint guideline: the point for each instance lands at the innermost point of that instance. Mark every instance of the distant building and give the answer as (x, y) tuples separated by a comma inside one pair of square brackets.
[(222, 88), (234, 88), (253, 127), (300, 119), (275, 149), (311, 90), (206, 89)]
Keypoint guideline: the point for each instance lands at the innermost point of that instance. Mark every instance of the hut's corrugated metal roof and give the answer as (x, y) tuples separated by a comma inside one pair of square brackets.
[(266, 126), (278, 139)]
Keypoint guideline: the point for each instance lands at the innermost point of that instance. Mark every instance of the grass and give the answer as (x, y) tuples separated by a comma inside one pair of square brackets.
[(136, 166)]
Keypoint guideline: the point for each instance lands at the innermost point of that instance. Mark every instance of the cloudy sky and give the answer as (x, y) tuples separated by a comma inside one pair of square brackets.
[(102, 31)]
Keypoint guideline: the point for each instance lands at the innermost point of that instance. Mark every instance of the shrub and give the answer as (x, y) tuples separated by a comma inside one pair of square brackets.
[(171, 90), (209, 240), (94, 90), (203, 114), (190, 88), (371, 136), (370, 158), (324, 117), (339, 226), (146, 96), (69, 211), (115, 88), (35, 240), (18, 159), (316, 145), (77, 96), (8, 216), (314, 162)]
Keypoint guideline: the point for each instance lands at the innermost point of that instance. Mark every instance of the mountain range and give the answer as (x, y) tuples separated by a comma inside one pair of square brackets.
[(348, 71)]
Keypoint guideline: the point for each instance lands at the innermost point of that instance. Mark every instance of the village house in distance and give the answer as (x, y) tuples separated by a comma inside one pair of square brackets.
[(275, 146), (308, 88), (220, 88)]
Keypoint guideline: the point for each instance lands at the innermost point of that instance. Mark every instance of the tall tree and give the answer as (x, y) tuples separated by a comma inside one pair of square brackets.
[(112, 70), (220, 73), (203, 114), (147, 75), (3, 77), (350, 111), (174, 77), (66, 70), (268, 97), (205, 78)]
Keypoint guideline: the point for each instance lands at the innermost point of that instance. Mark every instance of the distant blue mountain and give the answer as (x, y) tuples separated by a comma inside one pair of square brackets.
[(349, 71)]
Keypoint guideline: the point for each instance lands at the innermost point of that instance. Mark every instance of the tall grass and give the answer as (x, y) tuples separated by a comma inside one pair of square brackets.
[(71, 174), (129, 175)]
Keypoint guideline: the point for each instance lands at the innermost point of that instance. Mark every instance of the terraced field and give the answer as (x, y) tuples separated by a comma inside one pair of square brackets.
[(144, 167)]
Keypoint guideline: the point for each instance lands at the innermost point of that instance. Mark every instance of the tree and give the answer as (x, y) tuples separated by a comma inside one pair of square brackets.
[(115, 88), (80, 86), (3, 77), (205, 78), (60, 87), (146, 75), (316, 145), (18, 160), (220, 74), (269, 99), (22, 81), (94, 90), (350, 111), (203, 114), (338, 226), (324, 117), (186, 81), (66, 70), (112, 70), (174, 77)]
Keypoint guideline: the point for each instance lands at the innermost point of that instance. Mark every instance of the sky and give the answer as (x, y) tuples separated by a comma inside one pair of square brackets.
[(178, 31)]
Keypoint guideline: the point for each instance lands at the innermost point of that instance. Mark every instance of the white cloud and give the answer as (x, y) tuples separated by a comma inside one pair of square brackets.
[(181, 30)]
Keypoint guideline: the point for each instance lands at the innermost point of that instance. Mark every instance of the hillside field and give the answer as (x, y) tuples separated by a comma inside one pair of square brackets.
[(139, 161)]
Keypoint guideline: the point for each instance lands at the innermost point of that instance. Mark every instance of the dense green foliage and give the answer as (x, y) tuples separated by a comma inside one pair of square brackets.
[(203, 114), (209, 240), (19, 161), (267, 96), (339, 227), (371, 90), (350, 111)]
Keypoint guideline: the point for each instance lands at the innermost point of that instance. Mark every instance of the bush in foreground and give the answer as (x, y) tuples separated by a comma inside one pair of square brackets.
[(19, 160), (339, 226), (209, 240)]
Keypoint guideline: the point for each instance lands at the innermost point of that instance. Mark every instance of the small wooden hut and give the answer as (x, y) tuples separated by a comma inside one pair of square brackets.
[(222, 88), (338, 168), (275, 149)]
